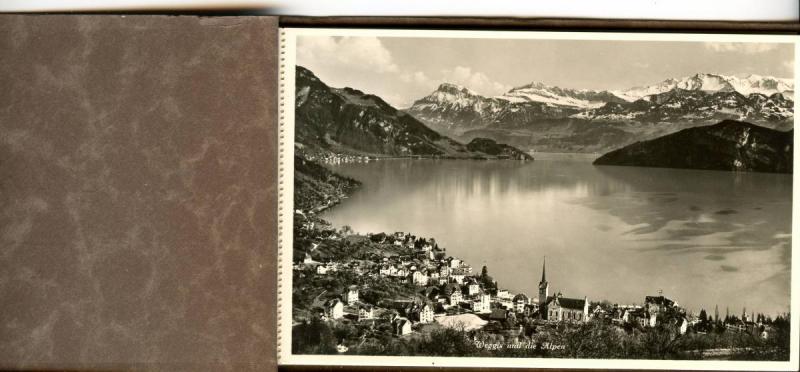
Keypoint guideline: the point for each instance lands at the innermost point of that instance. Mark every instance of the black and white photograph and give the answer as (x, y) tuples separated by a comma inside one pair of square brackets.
[(540, 197)]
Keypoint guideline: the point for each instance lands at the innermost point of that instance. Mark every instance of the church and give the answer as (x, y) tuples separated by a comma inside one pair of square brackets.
[(558, 308)]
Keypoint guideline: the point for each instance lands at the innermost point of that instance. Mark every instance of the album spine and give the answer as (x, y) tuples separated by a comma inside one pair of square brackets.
[(281, 184)]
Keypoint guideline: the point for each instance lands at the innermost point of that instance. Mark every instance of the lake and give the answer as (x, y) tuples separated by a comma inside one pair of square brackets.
[(615, 233)]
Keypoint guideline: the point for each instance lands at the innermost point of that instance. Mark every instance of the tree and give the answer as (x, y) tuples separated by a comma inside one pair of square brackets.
[(661, 342), (315, 337), (486, 281), (449, 342), (592, 340), (703, 317)]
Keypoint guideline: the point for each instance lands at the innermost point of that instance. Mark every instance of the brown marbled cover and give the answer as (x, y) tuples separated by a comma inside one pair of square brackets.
[(137, 192)]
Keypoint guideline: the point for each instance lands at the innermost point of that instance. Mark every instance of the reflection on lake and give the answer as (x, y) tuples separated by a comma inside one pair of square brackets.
[(616, 233)]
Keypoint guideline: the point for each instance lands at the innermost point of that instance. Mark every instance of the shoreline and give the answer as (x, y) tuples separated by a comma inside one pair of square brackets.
[(498, 301), (366, 233)]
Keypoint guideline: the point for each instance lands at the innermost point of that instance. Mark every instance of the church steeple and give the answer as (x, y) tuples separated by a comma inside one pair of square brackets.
[(544, 287), (544, 280)]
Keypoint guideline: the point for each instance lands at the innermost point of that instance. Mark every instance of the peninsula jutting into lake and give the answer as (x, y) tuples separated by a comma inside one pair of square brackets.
[(643, 223)]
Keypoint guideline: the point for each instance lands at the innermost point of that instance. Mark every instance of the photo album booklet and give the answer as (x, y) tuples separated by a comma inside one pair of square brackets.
[(546, 199)]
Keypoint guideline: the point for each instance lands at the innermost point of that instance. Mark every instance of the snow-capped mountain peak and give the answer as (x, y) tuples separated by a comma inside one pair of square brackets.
[(766, 85), (450, 96), (711, 83), (707, 83), (540, 92), (695, 99), (453, 96)]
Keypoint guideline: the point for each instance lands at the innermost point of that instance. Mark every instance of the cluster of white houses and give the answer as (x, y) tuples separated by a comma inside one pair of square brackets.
[(445, 282), (447, 286), (401, 317), (333, 158)]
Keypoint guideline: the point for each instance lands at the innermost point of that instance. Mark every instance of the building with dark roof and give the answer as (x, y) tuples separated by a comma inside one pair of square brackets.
[(334, 309), (563, 309), (559, 308), (402, 326)]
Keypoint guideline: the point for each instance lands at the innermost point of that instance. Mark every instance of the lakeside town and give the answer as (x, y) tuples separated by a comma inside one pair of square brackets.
[(397, 293)]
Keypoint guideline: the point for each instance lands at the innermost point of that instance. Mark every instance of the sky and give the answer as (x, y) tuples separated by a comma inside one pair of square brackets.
[(402, 69)]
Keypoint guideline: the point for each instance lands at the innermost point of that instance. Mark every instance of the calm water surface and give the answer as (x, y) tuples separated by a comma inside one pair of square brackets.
[(616, 233)]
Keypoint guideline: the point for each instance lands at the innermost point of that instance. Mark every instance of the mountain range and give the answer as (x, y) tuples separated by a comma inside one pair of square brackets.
[(346, 120), (547, 118), (764, 85)]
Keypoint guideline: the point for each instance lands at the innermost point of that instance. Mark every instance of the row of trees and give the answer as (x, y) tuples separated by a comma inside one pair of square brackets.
[(716, 324), (589, 340), (730, 318)]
